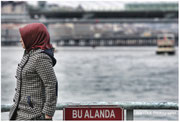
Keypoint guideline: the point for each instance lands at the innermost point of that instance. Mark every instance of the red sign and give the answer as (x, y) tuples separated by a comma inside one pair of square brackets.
[(93, 113)]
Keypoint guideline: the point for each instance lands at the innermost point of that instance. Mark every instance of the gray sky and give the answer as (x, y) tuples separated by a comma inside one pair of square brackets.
[(100, 4)]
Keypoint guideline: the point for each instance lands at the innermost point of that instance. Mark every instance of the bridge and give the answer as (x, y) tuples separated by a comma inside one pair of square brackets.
[(88, 21), (162, 13), (116, 41)]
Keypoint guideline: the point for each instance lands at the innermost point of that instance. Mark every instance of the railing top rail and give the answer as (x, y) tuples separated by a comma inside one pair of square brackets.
[(48, 21), (125, 105)]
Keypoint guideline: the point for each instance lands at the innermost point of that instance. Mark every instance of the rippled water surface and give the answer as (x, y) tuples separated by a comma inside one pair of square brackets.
[(104, 74)]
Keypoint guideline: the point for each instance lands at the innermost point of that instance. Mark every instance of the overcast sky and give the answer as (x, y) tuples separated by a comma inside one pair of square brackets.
[(99, 3)]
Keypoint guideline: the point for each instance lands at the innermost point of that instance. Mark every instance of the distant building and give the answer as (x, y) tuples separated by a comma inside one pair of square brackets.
[(14, 10), (80, 8), (42, 4), (83, 30), (53, 6), (152, 6), (59, 31)]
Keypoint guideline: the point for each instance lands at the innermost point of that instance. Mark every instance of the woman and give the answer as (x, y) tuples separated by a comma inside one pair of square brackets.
[(36, 90)]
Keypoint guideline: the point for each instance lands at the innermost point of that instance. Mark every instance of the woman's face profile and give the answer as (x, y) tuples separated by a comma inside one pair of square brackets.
[(22, 43)]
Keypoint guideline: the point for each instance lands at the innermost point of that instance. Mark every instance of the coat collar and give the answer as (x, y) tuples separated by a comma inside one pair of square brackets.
[(31, 52), (34, 51)]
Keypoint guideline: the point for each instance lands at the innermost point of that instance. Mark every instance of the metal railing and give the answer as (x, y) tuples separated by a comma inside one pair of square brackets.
[(128, 106), (93, 21)]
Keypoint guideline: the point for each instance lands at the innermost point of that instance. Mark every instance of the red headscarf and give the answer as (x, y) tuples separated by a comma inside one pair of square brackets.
[(34, 36)]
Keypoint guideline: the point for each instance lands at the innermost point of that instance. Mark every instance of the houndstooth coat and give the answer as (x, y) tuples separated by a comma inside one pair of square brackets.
[(36, 90)]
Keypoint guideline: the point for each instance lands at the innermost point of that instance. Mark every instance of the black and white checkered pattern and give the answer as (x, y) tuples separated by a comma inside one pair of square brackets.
[(36, 87)]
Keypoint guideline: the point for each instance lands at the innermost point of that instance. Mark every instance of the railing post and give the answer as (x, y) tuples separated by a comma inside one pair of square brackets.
[(129, 114)]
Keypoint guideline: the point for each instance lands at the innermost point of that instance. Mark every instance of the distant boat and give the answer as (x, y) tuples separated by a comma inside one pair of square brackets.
[(165, 43)]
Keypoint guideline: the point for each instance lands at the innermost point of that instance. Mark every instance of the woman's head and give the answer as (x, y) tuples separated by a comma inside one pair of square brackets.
[(34, 36)]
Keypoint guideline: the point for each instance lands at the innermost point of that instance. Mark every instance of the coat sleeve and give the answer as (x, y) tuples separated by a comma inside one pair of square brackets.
[(46, 72)]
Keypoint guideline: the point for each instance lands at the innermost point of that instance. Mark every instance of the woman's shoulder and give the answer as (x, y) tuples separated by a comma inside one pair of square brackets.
[(41, 57)]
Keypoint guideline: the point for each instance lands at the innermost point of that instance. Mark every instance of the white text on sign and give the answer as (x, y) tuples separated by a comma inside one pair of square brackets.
[(89, 114)]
